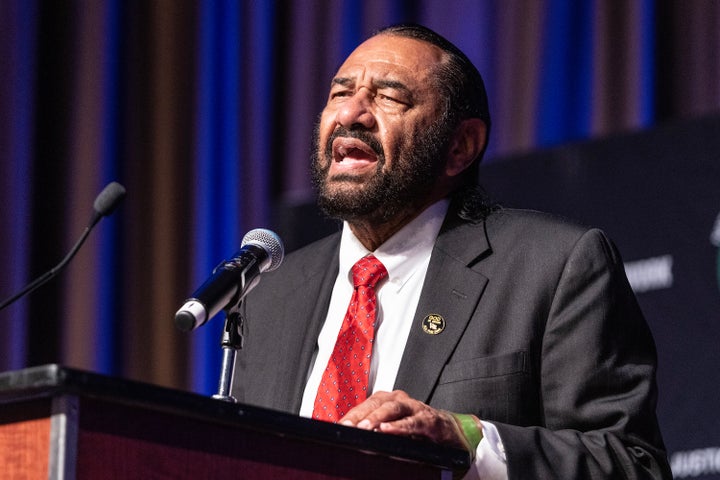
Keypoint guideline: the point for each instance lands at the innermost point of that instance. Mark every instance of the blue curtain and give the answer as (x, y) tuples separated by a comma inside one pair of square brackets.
[(566, 77), (219, 163), (108, 260), (232, 166), (17, 63)]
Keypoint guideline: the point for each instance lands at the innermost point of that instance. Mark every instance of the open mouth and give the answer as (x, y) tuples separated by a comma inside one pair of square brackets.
[(350, 154)]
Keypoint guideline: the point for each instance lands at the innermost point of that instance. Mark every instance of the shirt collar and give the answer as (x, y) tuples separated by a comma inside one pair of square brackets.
[(402, 253)]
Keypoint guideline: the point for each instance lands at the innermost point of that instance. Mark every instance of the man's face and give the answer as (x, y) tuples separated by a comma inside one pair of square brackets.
[(380, 141)]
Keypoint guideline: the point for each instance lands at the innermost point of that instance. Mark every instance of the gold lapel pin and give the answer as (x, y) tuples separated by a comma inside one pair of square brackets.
[(433, 324)]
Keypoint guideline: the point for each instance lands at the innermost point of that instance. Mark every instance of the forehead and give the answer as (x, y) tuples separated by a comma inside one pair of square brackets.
[(389, 55)]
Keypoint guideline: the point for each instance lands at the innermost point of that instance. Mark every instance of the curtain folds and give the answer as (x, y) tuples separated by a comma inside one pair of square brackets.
[(204, 110), (17, 65)]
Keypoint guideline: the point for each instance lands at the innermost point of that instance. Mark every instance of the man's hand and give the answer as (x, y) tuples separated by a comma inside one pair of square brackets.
[(396, 413)]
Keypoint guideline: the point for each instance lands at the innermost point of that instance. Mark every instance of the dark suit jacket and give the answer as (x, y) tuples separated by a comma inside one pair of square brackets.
[(543, 337)]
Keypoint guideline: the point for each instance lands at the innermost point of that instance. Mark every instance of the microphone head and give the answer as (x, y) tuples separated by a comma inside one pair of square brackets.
[(268, 241), (109, 199)]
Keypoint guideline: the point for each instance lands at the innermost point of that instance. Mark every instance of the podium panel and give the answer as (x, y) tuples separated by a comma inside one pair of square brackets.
[(61, 423), (24, 438)]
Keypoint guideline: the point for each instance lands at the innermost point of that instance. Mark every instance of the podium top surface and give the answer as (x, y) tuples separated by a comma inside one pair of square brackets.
[(49, 381)]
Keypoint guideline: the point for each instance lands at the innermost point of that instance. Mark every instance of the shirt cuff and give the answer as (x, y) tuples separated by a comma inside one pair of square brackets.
[(490, 461)]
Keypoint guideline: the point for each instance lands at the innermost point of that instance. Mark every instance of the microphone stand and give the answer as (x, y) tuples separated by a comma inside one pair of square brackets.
[(231, 342)]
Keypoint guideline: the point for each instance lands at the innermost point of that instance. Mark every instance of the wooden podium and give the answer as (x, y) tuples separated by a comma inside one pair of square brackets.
[(61, 423)]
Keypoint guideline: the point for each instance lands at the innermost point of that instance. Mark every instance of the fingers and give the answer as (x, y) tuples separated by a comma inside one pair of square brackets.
[(398, 414), (378, 408)]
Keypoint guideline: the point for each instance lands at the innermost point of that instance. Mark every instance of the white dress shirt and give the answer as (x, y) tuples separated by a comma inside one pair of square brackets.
[(406, 256)]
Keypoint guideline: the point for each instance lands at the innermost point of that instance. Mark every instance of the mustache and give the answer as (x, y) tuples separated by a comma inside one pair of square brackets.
[(363, 135)]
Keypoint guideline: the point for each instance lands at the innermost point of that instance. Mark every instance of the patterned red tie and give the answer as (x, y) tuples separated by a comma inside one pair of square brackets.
[(344, 383)]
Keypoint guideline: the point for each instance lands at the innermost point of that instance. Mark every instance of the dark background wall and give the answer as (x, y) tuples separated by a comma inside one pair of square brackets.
[(657, 194)]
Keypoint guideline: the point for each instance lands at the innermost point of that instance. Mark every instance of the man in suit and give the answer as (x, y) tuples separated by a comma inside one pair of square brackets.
[(509, 333)]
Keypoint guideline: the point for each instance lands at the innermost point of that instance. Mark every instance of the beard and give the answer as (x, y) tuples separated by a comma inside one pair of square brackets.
[(390, 192)]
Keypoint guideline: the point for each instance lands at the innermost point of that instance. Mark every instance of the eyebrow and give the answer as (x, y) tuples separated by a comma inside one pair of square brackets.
[(393, 84), (343, 81)]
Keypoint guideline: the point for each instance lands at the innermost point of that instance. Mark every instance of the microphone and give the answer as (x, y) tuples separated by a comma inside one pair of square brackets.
[(261, 251), (104, 205)]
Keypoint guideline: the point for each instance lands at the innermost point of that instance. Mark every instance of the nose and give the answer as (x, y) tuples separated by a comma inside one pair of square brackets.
[(356, 111)]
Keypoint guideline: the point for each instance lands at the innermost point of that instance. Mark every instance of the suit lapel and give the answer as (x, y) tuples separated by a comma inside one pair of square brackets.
[(309, 293), (452, 289), (320, 301)]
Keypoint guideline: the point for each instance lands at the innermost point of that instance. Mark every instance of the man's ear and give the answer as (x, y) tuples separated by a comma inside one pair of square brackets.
[(468, 141)]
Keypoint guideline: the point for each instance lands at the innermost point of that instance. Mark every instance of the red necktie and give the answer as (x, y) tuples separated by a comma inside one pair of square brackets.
[(345, 380)]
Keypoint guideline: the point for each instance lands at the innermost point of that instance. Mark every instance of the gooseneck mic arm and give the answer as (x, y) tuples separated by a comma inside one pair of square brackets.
[(104, 205)]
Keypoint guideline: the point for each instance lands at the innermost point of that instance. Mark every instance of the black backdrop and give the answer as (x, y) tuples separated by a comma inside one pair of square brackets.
[(657, 194)]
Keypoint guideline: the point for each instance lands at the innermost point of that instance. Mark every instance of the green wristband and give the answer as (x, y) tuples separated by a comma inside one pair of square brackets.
[(470, 428)]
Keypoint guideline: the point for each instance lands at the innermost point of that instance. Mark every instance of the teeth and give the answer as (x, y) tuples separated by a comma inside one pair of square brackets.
[(342, 151)]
